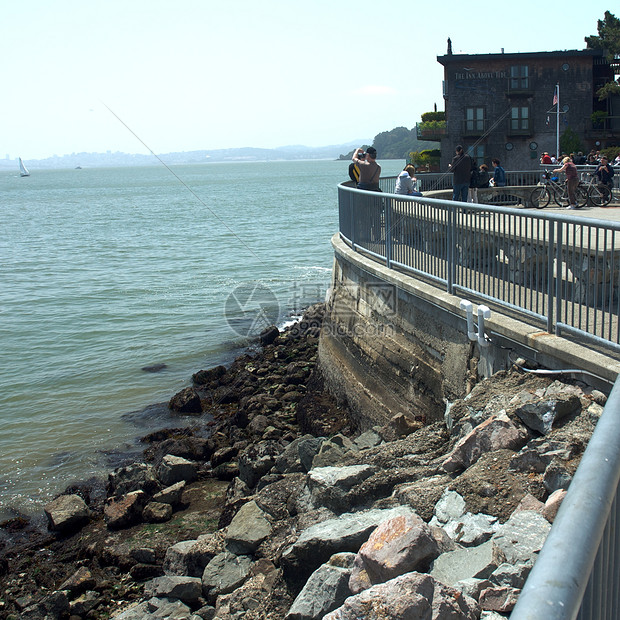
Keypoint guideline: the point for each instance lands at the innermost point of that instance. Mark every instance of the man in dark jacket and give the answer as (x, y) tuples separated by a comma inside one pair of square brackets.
[(605, 172), (461, 174)]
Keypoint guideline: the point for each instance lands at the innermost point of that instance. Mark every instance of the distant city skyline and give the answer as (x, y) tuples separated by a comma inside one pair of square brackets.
[(202, 75)]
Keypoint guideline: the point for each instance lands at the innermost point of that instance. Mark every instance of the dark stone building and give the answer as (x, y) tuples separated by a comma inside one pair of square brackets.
[(502, 105)]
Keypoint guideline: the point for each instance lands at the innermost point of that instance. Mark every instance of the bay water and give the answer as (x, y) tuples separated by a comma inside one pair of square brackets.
[(107, 272)]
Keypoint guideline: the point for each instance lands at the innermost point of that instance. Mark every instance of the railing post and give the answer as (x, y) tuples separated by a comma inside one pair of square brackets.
[(352, 206), (388, 232), (554, 256), (557, 227), (451, 250)]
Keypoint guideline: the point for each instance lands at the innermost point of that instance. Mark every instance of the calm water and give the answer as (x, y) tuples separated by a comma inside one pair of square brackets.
[(106, 271)]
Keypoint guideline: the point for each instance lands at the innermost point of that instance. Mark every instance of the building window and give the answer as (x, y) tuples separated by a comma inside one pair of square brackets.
[(520, 118), (474, 119), (519, 77), (478, 153)]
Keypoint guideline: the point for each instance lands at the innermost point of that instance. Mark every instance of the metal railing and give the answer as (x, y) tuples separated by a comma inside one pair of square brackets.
[(559, 271), (563, 271), (577, 572), (431, 181)]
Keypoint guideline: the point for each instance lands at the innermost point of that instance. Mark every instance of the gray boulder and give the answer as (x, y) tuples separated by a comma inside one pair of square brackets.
[(171, 495), (188, 557), (329, 485), (173, 469), (327, 589), (413, 595), (248, 529), (186, 589), (345, 533), (464, 563), (134, 477), (225, 573), (67, 513), (521, 538)]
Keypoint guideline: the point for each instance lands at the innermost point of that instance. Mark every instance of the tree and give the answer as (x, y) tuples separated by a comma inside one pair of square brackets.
[(608, 37), (570, 142)]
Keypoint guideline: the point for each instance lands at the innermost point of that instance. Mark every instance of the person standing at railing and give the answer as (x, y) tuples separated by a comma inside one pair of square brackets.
[(460, 167), (499, 174), (572, 180), (370, 170), (545, 159)]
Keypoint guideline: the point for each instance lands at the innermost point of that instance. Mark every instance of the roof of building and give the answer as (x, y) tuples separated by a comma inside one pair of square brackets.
[(450, 58)]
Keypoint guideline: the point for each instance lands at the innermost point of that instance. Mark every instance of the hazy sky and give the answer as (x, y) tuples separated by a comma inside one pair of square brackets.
[(207, 74)]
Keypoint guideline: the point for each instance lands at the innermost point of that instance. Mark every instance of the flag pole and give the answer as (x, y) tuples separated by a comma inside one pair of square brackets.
[(557, 122)]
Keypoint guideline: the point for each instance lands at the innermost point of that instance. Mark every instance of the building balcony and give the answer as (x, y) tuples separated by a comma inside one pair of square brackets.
[(432, 131), (606, 128)]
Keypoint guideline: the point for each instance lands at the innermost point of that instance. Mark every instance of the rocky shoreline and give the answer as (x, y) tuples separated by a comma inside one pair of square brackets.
[(285, 510)]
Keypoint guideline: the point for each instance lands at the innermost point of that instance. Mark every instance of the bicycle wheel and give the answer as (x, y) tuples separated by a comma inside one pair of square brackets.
[(581, 195), (560, 196), (599, 195), (540, 197)]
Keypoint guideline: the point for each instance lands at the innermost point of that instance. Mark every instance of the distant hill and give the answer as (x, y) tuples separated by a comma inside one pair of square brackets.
[(102, 160), (394, 144)]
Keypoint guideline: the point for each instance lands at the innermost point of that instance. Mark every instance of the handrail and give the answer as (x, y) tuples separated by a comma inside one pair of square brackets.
[(459, 246), (562, 583), (556, 269)]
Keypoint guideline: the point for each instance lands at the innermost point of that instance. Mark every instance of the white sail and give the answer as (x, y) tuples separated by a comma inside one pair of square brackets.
[(22, 169)]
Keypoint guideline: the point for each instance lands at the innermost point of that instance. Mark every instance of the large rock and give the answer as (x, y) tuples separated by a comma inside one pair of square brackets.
[(461, 564), (329, 485), (124, 511), (326, 590), (521, 538), (397, 546), (409, 596), (345, 533), (189, 557), (134, 477), (156, 512), (225, 573), (186, 401), (173, 469), (256, 460), (186, 589), (171, 495), (493, 434), (248, 529), (67, 513), (540, 414)]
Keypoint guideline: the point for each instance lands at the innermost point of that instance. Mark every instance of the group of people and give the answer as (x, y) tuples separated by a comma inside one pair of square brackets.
[(594, 158), (467, 178), (364, 171)]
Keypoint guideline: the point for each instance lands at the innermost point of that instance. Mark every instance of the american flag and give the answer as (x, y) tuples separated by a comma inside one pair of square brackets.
[(555, 96)]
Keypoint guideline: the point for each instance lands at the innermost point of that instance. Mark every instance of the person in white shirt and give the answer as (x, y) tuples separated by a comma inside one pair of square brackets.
[(406, 182)]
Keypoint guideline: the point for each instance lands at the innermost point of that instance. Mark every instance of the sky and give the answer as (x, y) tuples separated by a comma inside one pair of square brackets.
[(184, 75)]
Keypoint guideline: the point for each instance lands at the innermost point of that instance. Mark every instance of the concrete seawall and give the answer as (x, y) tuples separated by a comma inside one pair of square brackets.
[(394, 344)]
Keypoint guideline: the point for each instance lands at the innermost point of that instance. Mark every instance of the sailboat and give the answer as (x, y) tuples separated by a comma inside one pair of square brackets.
[(23, 171)]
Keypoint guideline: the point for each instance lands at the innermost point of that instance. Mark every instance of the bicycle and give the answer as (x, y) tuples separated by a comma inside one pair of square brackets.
[(599, 194), (541, 195)]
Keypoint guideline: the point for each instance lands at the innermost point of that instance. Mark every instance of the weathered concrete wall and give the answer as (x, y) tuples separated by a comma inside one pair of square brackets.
[(386, 350), (391, 343)]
